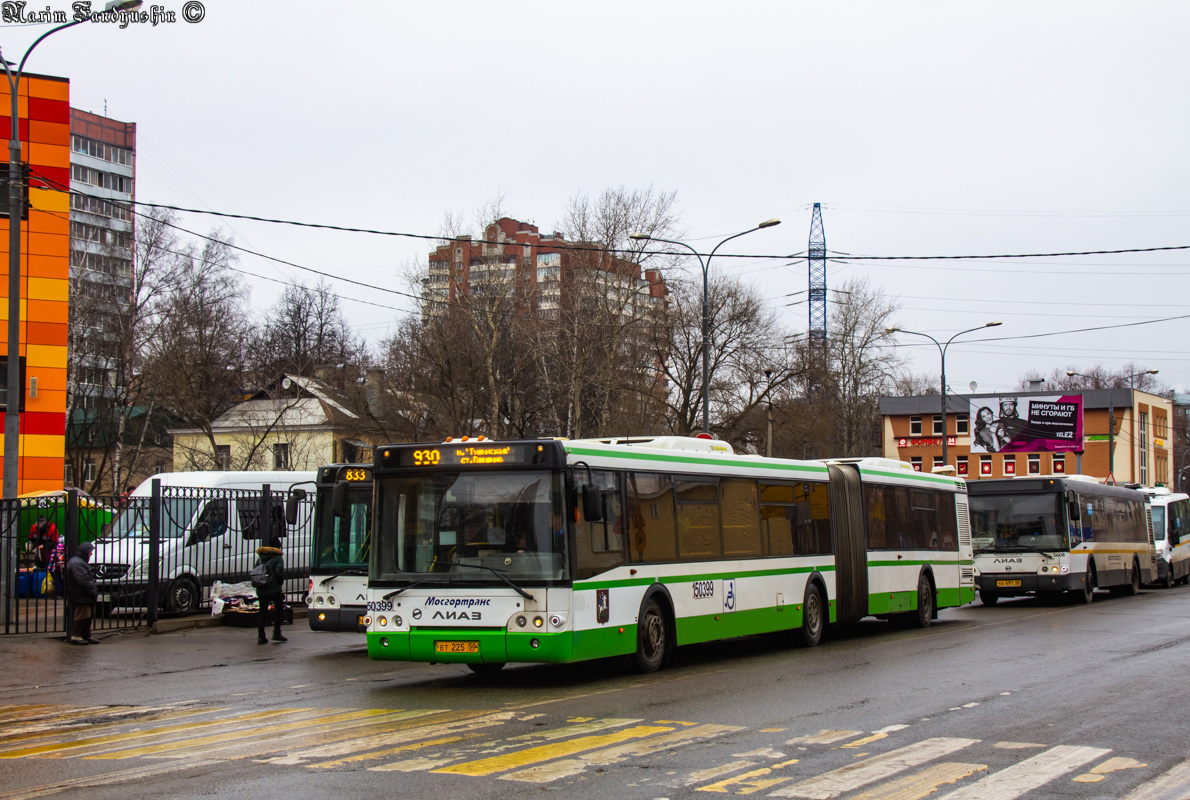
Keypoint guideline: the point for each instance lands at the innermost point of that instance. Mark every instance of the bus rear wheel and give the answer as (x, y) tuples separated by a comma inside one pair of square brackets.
[(813, 617), (925, 604), (652, 640), (1167, 581)]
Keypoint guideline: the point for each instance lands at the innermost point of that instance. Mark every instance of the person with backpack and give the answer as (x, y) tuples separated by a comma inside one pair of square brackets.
[(81, 593), (269, 584)]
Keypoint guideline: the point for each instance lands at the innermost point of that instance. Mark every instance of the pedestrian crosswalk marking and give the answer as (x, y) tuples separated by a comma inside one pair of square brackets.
[(1029, 774), (1173, 785), (824, 737), (545, 752), (464, 743), (428, 726), (922, 784), (249, 733), (861, 773), (568, 768), (186, 727)]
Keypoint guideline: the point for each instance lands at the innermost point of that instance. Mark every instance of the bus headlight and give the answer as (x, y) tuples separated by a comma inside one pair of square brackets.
[(521, 621), (538, 622), (330, 600), (320, 600), (381, 621), (398, 621)]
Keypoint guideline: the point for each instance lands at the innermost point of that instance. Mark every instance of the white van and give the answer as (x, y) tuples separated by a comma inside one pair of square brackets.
[(1171, 534), (211, 525)]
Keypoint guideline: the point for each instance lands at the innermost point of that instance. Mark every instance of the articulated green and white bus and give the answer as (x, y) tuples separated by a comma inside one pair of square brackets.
[(489, 552)]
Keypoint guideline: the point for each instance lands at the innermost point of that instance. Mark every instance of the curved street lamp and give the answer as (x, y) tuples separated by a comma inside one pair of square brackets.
[(1111, 413), (14, 389), (942, 351), (706, 307)]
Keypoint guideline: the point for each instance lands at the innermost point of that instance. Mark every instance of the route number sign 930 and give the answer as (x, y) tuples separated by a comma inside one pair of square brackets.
[(427, 458)]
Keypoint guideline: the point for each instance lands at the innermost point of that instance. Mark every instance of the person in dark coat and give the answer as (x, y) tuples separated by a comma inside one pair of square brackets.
[(81, 593), (273, 592)]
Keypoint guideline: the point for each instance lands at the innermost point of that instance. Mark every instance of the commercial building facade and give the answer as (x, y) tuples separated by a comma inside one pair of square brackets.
[(1136, 447)]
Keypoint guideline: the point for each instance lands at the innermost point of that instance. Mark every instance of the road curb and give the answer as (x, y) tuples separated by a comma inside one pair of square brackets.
[(193, 623)]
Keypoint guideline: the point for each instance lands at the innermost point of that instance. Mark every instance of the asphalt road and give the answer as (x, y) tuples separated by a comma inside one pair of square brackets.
[(1022, 699)]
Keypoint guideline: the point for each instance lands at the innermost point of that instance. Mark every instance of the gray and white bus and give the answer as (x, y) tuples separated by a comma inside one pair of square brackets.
[(1047, 535)]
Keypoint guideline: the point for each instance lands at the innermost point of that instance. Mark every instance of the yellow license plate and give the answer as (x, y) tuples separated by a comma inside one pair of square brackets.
[(1008, 583), (456, 647), (360, 620)]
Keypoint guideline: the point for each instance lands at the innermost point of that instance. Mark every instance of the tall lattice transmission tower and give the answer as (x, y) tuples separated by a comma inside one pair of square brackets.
[(817, 259)]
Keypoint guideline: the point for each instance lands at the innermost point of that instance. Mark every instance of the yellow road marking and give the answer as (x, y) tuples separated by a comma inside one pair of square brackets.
[(749, 782), (249, 733), (922, 784), (22, 752), (565, 768), (533, 755), (824, 737), (338, 762), (62, 733), (1114, 764), (319, 732), (429, 725), (1016, 745), (715, 772)]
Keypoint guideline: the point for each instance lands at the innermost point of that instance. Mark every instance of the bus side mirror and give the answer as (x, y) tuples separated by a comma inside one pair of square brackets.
[(592, 504), (339, 499), (296, 496)]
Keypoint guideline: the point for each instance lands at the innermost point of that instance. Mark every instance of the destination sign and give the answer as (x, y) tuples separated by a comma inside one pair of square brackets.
[(355, 474), (471, 454)]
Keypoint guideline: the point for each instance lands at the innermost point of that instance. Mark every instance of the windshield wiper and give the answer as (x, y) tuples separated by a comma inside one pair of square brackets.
[(499, 574), (393, 594), (340, 574)]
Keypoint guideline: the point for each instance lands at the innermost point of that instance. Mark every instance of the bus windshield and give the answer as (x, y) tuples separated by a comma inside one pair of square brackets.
[(472, 528), (343, 542), (1018, 522)]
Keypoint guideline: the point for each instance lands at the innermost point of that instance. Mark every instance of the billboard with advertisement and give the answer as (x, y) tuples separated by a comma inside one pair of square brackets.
[(1011, 424)]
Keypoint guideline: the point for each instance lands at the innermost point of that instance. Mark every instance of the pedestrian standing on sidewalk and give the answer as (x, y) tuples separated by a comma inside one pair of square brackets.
[(272, 592), (81, 594)]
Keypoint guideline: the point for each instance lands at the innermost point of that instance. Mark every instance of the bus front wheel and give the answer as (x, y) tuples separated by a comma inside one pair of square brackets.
[(652, 638), (485, 667), (1087, 593), (988, 598)]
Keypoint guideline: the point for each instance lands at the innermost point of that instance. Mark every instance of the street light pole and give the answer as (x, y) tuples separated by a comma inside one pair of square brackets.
[(1111, 415), (14, 391), (942, 352), (706, 307)]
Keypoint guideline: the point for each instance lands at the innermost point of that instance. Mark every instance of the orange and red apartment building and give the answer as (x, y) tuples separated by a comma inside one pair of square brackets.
[(44, 120)]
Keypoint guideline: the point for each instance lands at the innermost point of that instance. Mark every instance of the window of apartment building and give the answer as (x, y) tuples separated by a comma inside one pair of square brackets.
[(962, 425), (89, 471), (1143, 426), (1035, 463), (159, 466), (281, 455), (1009, 465), (916, 462), (939, 428), (223, 456), (961, 464), (68, 474), (985, 465), (4, 384), (1059, 464), (915, 426)]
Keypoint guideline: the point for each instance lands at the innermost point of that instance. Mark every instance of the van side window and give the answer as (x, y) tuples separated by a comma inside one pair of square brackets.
[(248, 509), (214, 514)]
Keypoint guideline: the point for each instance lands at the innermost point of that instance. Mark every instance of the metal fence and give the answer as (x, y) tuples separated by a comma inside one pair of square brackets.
[(156, 555)]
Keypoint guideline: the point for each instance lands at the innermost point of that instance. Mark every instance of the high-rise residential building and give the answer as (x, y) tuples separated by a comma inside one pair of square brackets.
[(102, 184), (544, 274)]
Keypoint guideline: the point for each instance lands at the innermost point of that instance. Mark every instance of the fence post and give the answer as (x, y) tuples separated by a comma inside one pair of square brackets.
[(9, 559), (72, 545), (154, 552), (266, 513)]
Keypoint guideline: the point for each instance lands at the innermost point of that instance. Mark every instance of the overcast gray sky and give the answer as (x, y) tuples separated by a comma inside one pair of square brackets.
[(924, 128)]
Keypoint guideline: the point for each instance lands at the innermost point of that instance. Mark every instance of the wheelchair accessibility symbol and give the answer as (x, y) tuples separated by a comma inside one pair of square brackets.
[(729, 595)]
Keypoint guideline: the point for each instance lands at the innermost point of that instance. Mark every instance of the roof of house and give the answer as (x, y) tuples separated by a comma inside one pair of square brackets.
[(292, 401)]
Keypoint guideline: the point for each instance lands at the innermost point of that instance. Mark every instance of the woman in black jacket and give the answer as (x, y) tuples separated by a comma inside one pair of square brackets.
[(81, 593), (273, 592)]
